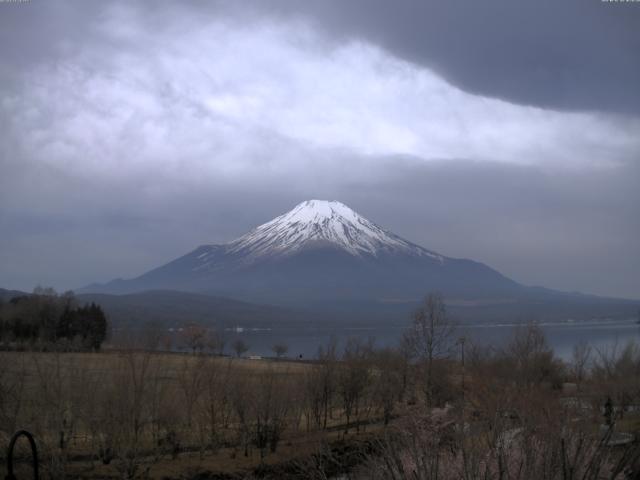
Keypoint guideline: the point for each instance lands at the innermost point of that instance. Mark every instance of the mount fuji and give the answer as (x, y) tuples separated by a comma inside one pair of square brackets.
[(319, 251), (322, 261)]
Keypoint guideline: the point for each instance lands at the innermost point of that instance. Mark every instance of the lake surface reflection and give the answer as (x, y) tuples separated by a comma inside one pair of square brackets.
[(305, 341)]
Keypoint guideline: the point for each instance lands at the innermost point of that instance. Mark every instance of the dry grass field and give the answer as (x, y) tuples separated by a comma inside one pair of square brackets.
[(124, 414)]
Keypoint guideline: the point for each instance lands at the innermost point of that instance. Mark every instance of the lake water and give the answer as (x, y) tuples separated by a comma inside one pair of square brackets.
[(562, 336)]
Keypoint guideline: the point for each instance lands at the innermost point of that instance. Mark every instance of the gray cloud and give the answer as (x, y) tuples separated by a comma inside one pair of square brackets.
[(573, 54), (570, 54)]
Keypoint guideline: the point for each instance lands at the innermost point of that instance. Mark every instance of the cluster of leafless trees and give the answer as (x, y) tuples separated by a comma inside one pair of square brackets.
[(130, 409), (515, 424), (351, 390), (441, 407), (516, 412)]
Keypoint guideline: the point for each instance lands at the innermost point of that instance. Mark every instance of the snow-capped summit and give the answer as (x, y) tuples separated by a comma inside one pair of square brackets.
[(322, 223)]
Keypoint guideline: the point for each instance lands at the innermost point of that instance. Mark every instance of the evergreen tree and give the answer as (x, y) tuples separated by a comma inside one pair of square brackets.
[(51, 317)]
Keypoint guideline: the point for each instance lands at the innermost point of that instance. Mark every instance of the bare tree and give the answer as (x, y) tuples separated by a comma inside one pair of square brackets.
[(191, 379), (242, 399), (313, 396), (215, 399), (327, 378), (580, 361), (531, 360), (215, 342), (194, 337), (387, 381), (353, 379), (431, 336), (13, 375), (240, 347), (54, 413), (280, 349), (617, 371), (127, 414), (270, 408)]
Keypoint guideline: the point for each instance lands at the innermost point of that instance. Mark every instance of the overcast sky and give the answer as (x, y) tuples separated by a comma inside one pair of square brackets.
[(506, 132)]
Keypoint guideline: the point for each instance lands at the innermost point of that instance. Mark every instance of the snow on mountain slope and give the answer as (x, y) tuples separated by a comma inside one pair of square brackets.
[(318, 222)]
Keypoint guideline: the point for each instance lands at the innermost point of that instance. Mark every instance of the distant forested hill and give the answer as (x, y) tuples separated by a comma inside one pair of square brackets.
[(176, 308)]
